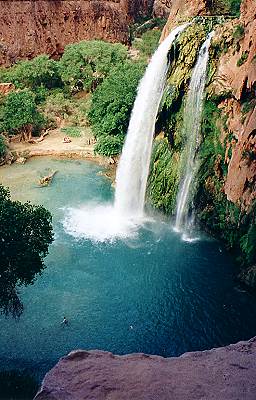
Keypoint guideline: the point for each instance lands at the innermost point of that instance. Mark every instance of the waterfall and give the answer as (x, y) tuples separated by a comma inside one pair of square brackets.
[(191, 129), (134, 163)]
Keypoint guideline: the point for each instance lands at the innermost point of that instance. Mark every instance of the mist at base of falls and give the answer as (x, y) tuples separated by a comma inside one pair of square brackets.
[(101, 222)]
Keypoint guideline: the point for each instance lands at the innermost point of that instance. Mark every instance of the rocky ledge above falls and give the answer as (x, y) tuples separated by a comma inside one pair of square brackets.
[(227, 373)]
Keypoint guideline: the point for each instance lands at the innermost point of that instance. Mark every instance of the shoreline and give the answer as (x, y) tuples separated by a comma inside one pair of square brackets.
[(53, 146)]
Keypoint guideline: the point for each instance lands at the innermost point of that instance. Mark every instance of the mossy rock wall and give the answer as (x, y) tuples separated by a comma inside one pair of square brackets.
[(164, 176), (214, 212)]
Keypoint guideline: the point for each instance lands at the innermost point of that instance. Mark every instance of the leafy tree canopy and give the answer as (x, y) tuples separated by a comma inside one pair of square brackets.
[(85, 64), (109, 145), (113, 100), (40, 71), (25, 234), (19, 113)]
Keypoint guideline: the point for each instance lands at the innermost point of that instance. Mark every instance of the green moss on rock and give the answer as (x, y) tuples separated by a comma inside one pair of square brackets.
[(164, 176), (184, 54)]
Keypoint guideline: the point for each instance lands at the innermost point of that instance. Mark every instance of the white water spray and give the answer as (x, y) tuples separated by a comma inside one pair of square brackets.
[(191, 129), (134, 164)]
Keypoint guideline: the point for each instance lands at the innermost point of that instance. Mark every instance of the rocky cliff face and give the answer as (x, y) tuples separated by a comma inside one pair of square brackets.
[(226, 182), (226, 373), (32, 27), (235, 78), (181, 10)]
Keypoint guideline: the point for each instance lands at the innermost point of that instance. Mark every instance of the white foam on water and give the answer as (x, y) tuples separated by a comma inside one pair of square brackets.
[(101, 223)]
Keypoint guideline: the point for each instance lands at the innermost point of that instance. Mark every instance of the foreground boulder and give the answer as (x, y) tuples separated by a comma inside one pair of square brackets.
[(227, 373)]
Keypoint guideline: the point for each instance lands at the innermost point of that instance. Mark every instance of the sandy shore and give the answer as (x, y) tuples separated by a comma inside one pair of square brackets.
[(53, 145)]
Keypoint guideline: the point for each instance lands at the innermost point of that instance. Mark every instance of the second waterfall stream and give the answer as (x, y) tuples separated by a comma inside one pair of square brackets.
[(191, 130)]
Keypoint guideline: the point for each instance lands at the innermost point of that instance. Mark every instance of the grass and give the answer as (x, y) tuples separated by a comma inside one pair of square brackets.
[(72, 131)]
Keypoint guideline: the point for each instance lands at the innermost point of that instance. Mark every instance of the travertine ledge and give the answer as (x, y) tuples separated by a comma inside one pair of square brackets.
[(227, 373)]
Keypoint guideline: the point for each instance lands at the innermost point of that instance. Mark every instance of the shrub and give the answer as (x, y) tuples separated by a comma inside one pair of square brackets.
[(238, 32), (57, 105), (247, 244), (109, 145), (2, 146), (242, 59), (234, 7), (148, 42), (112, 101), (72, 131)]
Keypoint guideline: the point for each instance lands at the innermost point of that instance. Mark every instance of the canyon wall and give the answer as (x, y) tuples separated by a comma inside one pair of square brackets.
[(225, 373), (225, 188), (32, 27), (235, 79)]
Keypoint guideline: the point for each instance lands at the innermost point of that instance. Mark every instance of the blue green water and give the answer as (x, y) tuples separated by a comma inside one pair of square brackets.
[(155, 294)]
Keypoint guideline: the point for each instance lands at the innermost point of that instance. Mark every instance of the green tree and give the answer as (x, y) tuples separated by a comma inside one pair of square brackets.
[(85, 64), (19, 114), (148, 42), (113, 100), (41, 71), (25, 234), (109, 145)]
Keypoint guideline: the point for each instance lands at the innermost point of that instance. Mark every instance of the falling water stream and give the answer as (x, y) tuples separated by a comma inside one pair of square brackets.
[(134, 164), (101, 222), (191, 129)]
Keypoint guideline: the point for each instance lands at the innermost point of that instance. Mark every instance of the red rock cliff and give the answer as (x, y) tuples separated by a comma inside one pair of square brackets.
[(236, 74), (227, 373), (31, 27)]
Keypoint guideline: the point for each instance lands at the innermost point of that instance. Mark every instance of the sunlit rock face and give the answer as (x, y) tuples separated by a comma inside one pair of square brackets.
[(180, 10), (225, 373), (30, 27)]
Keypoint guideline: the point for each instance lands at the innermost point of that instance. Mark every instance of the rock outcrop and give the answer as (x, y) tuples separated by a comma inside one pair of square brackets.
[(32, 27), (225, 373), (162, 8), (181, 10), (235, 78), (235, 81)]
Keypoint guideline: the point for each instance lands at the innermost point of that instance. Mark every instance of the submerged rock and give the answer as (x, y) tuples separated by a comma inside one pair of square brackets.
[(225, 373)]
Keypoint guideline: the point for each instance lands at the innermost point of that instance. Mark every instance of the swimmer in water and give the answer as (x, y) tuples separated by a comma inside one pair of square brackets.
[(65, 321)]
